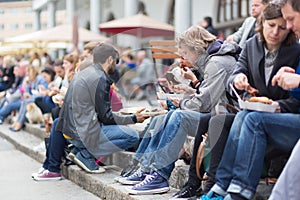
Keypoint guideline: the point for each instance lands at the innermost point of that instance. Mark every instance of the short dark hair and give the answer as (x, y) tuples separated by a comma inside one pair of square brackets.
[(294, 3), (272, 11), (58, 62), (208, 20), (50, 71), (103, 51), (265, 2)]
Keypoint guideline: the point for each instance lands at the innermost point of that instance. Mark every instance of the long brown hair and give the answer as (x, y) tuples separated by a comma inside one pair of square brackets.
[(273, 11)]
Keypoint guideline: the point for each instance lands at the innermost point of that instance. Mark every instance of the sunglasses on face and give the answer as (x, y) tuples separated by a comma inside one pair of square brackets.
[(117, 60)]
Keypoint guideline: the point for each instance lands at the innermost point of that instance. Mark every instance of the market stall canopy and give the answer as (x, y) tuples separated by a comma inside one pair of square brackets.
[(62, 33), (139, 25)]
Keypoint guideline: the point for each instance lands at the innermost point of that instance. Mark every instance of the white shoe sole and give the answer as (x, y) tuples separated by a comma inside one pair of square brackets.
[(71, 156), (80, 164), (124, 181), (37, 173), (143, 192), (47, 179)]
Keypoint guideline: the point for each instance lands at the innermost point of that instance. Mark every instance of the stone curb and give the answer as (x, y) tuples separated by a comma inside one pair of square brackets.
[(102, 185)]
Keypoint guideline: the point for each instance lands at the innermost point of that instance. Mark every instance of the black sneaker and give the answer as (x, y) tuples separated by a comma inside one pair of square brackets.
[(187, 192)]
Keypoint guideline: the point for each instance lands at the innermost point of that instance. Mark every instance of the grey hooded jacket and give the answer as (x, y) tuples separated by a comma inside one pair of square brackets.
[(87, 107), (216, 67)]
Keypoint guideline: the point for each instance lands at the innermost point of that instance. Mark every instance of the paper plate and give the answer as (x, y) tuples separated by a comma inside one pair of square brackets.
[(257, 106), (165, 96)]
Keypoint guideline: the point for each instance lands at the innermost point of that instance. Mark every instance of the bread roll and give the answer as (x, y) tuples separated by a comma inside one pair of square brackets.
[(261, 100)]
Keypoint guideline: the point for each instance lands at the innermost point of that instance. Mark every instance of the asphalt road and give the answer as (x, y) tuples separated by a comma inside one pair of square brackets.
[(16, 182)]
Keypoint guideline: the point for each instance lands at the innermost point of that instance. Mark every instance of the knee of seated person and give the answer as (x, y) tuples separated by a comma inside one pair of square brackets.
[(177, 114), (132, 137), (254, 117)]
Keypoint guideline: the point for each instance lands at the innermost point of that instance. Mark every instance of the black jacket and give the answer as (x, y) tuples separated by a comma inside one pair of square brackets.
[(251, 63)]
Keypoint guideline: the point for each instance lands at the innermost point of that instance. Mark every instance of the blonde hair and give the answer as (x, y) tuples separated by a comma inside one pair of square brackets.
[(72, 58), (8, 61), (33, 72), (196, 39), (90, 46)]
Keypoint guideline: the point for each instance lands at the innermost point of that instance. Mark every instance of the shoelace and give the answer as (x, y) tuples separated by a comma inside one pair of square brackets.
[(145, 181), (138, 173)]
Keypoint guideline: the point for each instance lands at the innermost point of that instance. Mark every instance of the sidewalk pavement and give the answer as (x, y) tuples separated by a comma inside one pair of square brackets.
[(17, 184)]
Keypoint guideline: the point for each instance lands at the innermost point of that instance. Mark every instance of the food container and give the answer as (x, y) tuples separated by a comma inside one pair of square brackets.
[(257, 106), (165, 96), (148, 111)]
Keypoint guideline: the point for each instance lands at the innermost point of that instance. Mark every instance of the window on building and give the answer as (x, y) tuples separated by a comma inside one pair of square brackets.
[(14, 26), (2, 27), (14, 10), (28, 10), (2, 11), (44, 25), (28, 26)]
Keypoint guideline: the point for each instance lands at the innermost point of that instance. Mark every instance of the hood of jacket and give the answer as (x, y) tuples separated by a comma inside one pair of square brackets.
[(218, 48), (224, 48)]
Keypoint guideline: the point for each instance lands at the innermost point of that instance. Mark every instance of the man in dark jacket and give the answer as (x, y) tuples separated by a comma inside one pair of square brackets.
[(86, 116)]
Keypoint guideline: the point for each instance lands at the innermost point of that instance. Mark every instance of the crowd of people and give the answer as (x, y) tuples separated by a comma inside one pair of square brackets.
[(80, 93)]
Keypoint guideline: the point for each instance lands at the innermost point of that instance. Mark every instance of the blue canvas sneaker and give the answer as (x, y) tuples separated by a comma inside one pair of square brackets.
[(73, 153), (133, 179), (152, 184), (87, 163)]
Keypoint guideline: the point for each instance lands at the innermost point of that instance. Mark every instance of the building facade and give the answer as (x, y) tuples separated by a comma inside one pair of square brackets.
[(26, 16)]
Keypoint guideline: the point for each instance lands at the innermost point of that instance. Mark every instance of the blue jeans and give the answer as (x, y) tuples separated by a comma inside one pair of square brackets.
[(285, 187), (45, 104), (11, 106), (164, 146), (55, 150), (151, 139), (3, 86), (22, 111), (242, 161), (113, 138)]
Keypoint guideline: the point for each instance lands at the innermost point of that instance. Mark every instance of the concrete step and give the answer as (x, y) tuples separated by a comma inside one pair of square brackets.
[(121, 159), (102, 185)]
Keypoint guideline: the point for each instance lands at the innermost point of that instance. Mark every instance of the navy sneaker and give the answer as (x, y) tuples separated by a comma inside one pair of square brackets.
[(133, 179), (88, 163), (129, 170), (73, 153), (152, 184)]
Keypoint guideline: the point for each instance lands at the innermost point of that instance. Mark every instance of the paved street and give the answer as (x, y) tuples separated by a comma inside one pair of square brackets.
[(16, 182)]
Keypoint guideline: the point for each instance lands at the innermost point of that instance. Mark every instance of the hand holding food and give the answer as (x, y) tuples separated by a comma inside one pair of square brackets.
[(286, 78), (185, 63), (241, 82), (140, 117), (252, 91), (188, 74)]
